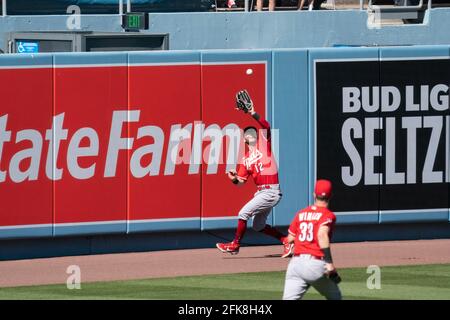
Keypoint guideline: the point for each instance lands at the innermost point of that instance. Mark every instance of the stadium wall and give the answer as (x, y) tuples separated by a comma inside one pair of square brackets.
[(255, 30), (86, 138)]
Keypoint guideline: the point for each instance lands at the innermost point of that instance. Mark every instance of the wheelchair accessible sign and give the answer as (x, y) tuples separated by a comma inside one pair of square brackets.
[(27, 47)]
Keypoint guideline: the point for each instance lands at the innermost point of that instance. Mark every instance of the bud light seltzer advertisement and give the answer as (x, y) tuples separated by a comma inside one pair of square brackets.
[(382, 133)]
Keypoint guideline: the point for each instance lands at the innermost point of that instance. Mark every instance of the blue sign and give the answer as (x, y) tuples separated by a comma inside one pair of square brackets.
[(27, 47)]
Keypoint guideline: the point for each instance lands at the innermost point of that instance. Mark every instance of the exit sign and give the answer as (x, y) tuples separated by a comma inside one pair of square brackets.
[(135, 21)]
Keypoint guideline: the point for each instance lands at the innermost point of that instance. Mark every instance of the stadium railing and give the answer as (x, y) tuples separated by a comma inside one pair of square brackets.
[(401, 9)]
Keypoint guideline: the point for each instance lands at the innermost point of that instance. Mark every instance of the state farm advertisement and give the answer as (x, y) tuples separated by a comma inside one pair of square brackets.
[(122, 143)]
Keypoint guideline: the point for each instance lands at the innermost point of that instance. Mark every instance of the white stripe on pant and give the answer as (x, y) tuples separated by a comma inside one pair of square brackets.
[(304, 271)]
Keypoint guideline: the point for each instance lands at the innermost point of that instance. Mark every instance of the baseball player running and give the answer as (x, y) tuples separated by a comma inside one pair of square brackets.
[(259, 163), (312, 264)]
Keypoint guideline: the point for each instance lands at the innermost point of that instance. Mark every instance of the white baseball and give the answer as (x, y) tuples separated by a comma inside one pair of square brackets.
[(249, 71)]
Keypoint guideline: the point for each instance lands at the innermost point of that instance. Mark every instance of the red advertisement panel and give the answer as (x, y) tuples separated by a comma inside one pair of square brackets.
[(25, 117), (109, 143), (91, 124), (163, 183)]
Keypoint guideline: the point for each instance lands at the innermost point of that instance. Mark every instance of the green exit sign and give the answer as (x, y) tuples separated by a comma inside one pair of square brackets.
[(135, 21)]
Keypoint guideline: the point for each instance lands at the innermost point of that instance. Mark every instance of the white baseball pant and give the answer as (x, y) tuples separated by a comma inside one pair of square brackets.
[(304, 271), (259, 207)]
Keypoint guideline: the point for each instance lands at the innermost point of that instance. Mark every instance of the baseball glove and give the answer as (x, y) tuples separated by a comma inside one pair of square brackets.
[(335, 277), (243, 101)]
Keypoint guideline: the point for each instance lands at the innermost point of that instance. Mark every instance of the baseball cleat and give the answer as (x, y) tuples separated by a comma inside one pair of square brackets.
[(288, 250), (231, 247)]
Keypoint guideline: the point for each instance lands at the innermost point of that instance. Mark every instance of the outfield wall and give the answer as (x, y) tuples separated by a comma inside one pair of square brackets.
[(253, 30), (86, 139)]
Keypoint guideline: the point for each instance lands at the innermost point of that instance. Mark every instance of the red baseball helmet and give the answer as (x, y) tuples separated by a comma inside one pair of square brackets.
[(323, 188)]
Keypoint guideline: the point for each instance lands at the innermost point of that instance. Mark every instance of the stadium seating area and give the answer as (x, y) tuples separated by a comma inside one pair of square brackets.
[(57, 7), (36, 7)]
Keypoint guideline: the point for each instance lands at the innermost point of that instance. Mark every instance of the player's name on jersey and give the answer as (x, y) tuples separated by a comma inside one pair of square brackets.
[(83, 153), (253, 158), (309, 216)]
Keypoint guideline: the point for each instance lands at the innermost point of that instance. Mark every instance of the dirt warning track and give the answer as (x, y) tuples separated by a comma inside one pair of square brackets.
[(174, 263)]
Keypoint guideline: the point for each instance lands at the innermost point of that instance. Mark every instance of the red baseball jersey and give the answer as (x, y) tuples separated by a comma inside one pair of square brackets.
[(260, 163), (305, 227)]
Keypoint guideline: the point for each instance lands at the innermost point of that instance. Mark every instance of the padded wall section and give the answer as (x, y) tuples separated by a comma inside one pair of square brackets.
[(90, 90), (290, 118), (345, 144), (415, 159), (164, 184), (26, 159)]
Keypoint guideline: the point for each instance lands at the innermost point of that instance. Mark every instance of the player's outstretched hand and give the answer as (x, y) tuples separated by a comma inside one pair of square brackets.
[(332, 273), (232, 174), (329, 268), (334, 276)]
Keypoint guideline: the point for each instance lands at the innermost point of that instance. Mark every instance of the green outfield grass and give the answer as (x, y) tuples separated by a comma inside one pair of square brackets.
[(403, 282)]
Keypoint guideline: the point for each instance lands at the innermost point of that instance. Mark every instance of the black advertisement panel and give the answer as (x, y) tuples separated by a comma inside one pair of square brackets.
[(382, 133)]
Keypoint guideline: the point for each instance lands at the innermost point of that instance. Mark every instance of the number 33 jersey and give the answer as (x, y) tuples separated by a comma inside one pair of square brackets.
[(305, 228)]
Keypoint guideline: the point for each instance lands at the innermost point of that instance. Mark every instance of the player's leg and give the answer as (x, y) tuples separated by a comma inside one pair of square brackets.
[(271, 5), (266, 200), (233, 247), (260, 206), (255, 205), (328, 288), (260, 221), (260, 225), (294, 286)]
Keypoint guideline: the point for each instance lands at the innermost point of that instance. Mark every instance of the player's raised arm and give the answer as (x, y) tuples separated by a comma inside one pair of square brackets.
[(263, 123), (245, 103)]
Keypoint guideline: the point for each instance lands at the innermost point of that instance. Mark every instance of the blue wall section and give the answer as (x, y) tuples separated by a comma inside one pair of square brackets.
[(290, 94)]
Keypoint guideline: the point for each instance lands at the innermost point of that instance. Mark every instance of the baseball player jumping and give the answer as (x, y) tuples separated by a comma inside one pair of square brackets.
[(258, 162), (312, 264)]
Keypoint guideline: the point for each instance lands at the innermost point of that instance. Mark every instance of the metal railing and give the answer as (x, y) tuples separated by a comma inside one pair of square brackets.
[(247, 6), (4, 12), (371, 6), (121, 6), (398, 8)]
